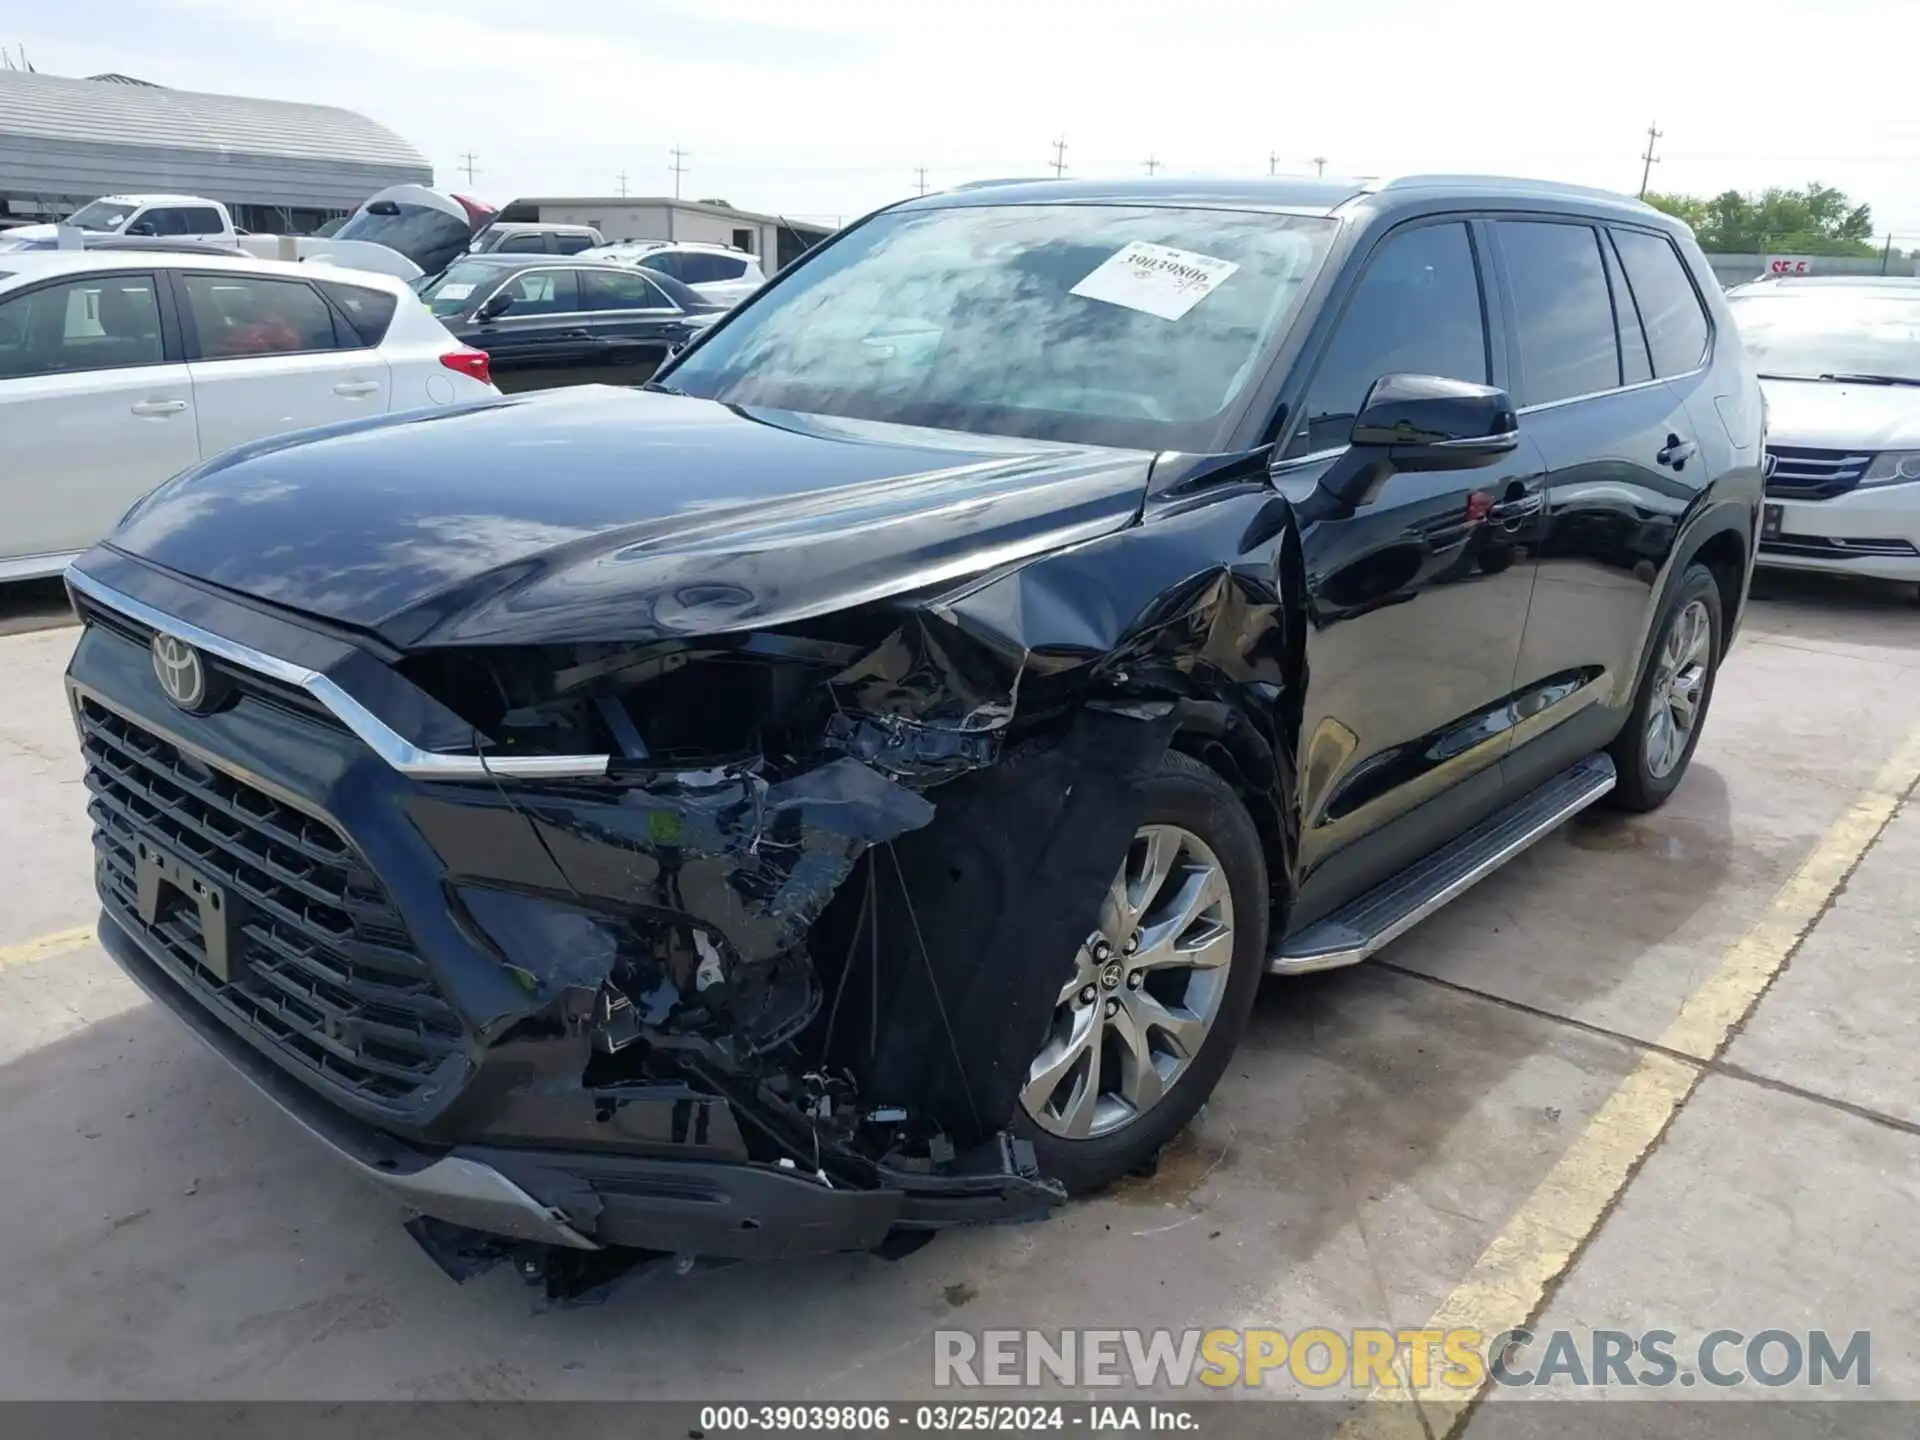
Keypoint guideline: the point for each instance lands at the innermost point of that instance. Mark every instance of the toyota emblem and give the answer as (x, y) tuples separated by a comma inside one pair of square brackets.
[(180, 671)]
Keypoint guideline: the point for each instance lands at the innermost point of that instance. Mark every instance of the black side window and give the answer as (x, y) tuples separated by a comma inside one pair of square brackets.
[(240, 315), (1670, 307), (530, 244), (1416, 311), (107, 322), (573, 244), (619, 290), (666, 262), (1561, 309), (1636, 366), (200, 220), (165, 221), (369, 311)]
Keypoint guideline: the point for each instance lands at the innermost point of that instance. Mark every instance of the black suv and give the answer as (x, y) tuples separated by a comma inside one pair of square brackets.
[(856, 783)]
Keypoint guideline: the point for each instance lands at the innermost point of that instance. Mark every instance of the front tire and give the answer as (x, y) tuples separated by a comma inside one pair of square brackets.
[(1161, 990), (1656, 745)]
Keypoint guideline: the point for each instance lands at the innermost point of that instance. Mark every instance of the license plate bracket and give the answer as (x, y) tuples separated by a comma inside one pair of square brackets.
[(164, 882), (1770, 517)]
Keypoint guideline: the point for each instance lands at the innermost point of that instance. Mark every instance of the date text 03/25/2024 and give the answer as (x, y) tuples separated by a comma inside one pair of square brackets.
[(978, 1419)]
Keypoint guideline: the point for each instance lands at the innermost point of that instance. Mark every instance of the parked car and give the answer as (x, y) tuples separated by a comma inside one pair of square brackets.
[(119, 369), (175, 217), (523, 238), (719, 272), (857, 782), (549, 321), (1839, 360)]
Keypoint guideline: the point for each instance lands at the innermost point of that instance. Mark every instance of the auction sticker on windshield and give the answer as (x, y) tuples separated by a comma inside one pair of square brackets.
[(1155, 279)]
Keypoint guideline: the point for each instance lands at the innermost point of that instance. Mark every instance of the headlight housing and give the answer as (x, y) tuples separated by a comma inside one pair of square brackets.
[(1893, 467)]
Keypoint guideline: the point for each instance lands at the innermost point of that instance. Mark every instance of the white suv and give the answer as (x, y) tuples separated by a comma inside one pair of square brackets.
[(721, 273), (120, 369)]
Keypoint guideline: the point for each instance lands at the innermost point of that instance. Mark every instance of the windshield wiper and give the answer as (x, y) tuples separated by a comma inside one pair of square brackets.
[(1865, 378), (660, 387)]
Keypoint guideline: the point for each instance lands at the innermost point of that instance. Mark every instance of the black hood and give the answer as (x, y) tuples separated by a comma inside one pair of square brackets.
[(612, 514)]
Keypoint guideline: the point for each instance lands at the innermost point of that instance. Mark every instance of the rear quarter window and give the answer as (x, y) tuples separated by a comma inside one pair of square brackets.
[(1670, 308), (369, 312)]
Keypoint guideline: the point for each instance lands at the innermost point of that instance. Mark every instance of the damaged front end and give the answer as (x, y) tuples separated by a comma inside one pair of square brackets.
[(822, 899), (735, 943)]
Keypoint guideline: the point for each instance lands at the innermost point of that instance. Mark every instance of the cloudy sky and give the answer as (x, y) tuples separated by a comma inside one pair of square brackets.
[(824, 108)]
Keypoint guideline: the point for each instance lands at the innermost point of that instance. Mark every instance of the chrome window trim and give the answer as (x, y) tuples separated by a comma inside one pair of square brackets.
[(399, 752)]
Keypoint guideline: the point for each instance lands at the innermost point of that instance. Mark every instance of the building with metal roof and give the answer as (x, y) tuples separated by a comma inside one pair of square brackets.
[(276, 164)]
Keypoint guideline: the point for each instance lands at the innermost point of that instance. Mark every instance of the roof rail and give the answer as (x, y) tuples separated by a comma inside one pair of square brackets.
[(1003, 180), (1506, 182)]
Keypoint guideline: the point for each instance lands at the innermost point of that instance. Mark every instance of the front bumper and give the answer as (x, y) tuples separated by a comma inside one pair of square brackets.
[(1873, 532), (580, 1201)]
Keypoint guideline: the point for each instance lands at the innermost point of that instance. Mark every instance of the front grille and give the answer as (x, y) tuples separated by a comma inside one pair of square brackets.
[(1838, 548), (236, 678), (1802, 474), (318, 959)]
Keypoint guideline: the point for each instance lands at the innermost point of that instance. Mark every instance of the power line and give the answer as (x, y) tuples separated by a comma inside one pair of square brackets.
[(678, 168), (467, 157), (920, 177), (1059, 161), (1649, 160), (1152, 165)]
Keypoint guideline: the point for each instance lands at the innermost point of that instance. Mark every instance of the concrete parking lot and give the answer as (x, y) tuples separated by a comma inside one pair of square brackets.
[(1660, 1072)]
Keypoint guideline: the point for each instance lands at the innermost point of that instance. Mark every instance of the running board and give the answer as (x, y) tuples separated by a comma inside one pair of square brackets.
[(1368, 922)]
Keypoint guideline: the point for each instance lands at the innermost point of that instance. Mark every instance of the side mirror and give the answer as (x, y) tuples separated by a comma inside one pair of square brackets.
[(141, 227), (1421, 422), (1427, 422), (496, 307)]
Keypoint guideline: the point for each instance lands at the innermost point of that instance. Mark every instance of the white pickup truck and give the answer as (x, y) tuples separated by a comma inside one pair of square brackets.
[(405, 231)]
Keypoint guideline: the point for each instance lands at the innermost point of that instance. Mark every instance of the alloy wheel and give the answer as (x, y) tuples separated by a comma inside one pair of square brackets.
[(1679, 681), (1146, 990)]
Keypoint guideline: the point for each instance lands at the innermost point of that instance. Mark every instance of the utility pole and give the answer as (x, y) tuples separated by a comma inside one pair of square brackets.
[(1886, 253), (1319, 165), (1273, 163), (920, 177), (1649, 160), (467, 157), (1152, 165), (623, 184), (1059, 158), (678, 167)]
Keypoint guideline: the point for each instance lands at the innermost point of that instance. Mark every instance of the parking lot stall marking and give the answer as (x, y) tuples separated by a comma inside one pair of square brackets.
[(1511, 1281), (45, 947)]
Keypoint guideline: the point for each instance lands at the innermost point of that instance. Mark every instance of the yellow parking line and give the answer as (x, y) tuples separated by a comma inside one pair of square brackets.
[(45, 947), (1507, 1285)]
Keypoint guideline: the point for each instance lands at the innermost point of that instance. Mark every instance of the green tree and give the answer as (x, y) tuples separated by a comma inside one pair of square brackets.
[(1813, 220)]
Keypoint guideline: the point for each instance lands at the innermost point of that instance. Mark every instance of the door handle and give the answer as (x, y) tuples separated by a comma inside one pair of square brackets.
[(576, 335), (159, 407), (1677, 452), (1517, 504), (356, 387)]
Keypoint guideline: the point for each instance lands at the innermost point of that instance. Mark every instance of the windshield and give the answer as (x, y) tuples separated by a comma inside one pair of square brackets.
[(102, 215), (1807, 335), (430, 238), (1111, 325), (456, 291)]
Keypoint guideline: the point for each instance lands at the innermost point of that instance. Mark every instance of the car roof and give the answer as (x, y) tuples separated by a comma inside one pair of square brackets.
[(710, 246), (1904, 284), (28, 265), (1284, 194), (682, 295), (144, 199), (525, 225)]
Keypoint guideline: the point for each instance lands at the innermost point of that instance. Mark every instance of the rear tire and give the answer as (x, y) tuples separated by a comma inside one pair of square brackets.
[(1095, 1106), (1654, 748)]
